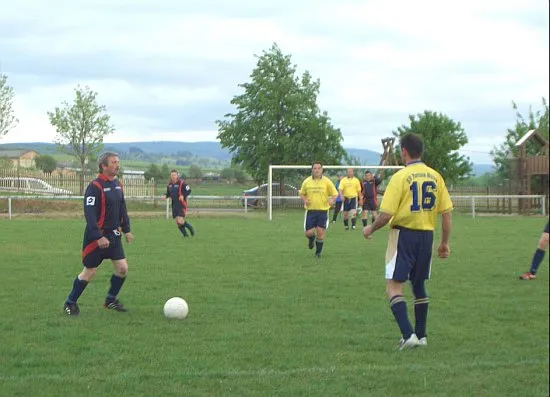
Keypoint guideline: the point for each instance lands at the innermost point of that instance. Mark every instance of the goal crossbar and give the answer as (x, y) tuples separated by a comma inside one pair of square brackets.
[(325, 167)]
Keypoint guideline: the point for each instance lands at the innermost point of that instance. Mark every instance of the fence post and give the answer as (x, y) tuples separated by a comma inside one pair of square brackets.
[(543, 202), (245, 205), (168, 208), (9, 207), (473, 206)]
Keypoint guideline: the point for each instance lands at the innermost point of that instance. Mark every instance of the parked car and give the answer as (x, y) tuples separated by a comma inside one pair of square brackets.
[(289, 190), (30, 186)]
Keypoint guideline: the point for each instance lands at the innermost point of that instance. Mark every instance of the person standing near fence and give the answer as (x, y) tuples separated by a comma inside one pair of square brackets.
[(178, 191), (538, 256), (338, 202), (106, 216)]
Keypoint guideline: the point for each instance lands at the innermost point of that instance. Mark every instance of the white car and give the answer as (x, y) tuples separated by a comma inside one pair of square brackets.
[(30, 186)]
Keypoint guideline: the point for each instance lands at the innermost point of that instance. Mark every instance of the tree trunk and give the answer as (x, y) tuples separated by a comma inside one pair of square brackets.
[(82, 175)]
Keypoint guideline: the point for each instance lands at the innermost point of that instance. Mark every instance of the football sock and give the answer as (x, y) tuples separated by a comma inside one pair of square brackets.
[(420, 316), (537, 259), (318, 246), (182, 230), (190, 227), (364, 222), (353, 221), (78, 288), (399, 310), (116, 285), (311, 239), (346, 224)]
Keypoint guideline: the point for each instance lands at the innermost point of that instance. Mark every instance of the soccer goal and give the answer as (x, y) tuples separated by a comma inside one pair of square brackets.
[(284, 181)]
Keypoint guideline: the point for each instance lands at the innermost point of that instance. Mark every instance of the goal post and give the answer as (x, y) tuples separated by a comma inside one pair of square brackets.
[(273, 167)]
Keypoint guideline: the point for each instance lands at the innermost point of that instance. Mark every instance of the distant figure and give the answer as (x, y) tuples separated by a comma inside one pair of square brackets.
[(370, 201), (350, 189), (338, 202), (178, 191)]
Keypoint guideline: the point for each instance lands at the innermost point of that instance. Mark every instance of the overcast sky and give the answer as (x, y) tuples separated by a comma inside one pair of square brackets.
[(167, 69)]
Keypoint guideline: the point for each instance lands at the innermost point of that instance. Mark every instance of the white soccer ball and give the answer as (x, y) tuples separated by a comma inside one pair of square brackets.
[(176, 308)]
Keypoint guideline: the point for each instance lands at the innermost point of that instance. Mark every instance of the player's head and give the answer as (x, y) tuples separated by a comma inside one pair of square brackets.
[(368, 176), (108, 164), (349, 173), (317, 169), (339, 176), (173, 176), (412, 147)]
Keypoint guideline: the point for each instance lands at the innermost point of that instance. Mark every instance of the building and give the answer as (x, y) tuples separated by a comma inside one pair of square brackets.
[(20, 158)]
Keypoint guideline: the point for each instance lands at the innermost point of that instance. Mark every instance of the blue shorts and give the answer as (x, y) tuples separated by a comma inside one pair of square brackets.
[(546, 229), (409, 255), (350, 204), (316, 218), (178, 209), (370, 204), (92, 255)]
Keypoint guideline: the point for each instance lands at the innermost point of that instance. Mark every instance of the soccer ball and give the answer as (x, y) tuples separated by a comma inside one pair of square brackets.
[(176, 308)]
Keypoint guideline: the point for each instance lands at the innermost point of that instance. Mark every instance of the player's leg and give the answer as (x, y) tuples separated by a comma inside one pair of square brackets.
[(399, 261), (187, 225), (337, 207), (419, 275), (365, 212), (180, 222), (353, 205), (309, 228), (538, 256), (347, 208), (119, 276), (91, 259), (321, 224)]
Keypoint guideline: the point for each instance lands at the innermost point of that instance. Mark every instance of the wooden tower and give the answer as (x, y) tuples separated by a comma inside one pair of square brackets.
[(388, 157)]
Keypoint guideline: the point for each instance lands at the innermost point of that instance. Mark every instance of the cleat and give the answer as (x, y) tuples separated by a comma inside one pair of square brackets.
[(423, 342), (191, 230), (310, 243), (71, 309), (346, 228), (527, 276), (409, 343), (115, 305), (318, 255), (353, 227)]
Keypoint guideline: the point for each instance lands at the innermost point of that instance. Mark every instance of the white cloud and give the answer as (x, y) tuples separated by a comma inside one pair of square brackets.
[(378, 61)]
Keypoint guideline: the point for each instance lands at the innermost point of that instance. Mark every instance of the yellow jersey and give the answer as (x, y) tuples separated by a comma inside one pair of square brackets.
[(317, 191), (350, 187), (414, 197)]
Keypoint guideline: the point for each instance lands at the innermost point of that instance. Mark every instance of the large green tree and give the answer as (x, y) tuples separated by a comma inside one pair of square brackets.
[(7, 117), (81, 127), (535, 120), (277, 120), (442, 137), (46, 163)]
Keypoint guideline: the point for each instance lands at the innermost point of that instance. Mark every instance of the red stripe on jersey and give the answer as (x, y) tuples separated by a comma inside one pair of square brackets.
[(89, 249), (101, 220)]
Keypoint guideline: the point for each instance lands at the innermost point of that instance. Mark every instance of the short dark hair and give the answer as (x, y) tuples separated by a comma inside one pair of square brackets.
[(413, 144), (103, 159), (368, 172), (316, 162), (176, 171)]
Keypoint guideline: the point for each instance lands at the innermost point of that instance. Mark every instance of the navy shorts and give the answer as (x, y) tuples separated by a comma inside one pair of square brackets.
[(409, 255), (546, 229), (178, 209), (350, 204), (92, 255), (316, 218), (370, 204)]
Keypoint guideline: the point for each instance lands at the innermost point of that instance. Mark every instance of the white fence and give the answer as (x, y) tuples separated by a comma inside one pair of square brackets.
[(474, 204)]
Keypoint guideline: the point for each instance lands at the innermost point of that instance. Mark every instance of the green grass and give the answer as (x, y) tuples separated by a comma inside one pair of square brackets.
[(266, 318)]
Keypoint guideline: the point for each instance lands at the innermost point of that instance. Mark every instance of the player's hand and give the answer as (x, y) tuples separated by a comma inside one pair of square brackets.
[(129, 237), (443, 251), (103, 242), (367, 231), (330, 201)]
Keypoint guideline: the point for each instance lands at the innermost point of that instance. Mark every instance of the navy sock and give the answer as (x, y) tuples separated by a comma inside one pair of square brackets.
[(364, 222), (346, 224), (399, 310), (318, 246), (116, 285), (353, 221), (78, 289), (190, 227), (182, 230), (537, 259)]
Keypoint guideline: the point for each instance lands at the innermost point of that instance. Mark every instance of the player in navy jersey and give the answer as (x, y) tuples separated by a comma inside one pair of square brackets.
[(538, 256), (106, 217), (178, 190), (370, 201)]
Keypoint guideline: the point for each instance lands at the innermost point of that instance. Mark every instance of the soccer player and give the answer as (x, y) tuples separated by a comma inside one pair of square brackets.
[(538, 256), (178, 191), (338, 202), (350, 189), (414, 197), (106, 216), (370, 201), (318, 194)]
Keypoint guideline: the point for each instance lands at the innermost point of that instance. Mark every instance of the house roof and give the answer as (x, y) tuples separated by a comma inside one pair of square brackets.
[(532, 134), (14, 153)]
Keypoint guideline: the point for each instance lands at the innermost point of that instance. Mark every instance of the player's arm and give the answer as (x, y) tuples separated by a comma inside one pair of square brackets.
[(186, 190), (445, 207), (92, 207), (303, 193)]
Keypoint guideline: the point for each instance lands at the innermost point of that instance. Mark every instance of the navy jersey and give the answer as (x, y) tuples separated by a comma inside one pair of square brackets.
[(369, 188), (104, 208), (176, 190)]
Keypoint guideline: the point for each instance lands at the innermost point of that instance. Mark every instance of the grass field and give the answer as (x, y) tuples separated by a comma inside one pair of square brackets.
[(268, 319)]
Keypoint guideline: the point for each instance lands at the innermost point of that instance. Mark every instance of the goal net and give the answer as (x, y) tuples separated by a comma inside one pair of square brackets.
[(284, 182)]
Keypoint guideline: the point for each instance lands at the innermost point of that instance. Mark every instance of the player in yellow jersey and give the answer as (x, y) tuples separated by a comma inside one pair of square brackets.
[(350, 188), (318, 194), (414, 197)]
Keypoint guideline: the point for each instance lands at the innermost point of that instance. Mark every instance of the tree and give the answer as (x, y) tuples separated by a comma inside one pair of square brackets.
[(195, 172), (277, 120), (7, 117), (443, 137), (81, 127), (535, 120), (6, 163), (46, 163)]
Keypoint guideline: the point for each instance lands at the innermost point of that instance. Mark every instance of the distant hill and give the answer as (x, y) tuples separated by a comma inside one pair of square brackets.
[(480, 169)]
